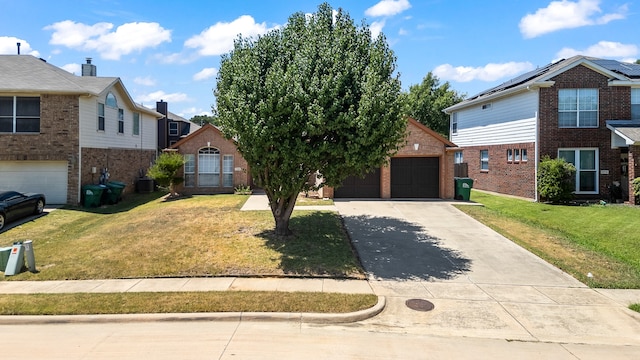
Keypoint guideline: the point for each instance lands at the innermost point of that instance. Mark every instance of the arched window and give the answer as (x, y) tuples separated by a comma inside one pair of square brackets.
[(209, 167), (111, 100)]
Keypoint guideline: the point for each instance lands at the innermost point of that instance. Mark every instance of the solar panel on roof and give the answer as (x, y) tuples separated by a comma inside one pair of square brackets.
[(627, 69)]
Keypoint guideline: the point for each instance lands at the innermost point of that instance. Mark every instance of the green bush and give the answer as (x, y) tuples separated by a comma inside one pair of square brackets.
[(636, 189), (165, 170), (556, 180)]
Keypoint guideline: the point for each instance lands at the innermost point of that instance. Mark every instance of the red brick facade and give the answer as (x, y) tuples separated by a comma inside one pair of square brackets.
[(124, 165), (210, 137)]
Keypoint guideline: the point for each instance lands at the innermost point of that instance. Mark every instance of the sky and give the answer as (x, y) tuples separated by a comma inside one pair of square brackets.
[(171, 50)]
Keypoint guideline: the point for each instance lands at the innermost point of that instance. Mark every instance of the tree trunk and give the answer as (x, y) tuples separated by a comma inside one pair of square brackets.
[(282, 208)]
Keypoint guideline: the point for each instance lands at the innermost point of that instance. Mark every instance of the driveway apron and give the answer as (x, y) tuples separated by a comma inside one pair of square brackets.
[(479, 283)]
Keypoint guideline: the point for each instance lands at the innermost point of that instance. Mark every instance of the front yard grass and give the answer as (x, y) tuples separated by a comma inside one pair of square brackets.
[(197, 236), (601, 240)]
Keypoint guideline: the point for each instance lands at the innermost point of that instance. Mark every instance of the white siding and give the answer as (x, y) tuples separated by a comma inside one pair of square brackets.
[(110, 138), (507, 121)]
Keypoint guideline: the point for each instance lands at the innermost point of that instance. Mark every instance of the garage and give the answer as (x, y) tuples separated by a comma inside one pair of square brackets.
[(415, 177), (357, 187), (46, 177)]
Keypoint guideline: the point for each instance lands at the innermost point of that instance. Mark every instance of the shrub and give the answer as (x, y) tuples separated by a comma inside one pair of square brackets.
[(165, 170), (636, 189), (556, 180)]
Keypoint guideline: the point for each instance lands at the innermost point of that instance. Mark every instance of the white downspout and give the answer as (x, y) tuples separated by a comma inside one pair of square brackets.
[(537, 155)]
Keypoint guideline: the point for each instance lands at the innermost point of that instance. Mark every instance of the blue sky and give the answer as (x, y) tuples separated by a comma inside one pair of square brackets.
[(170, 50)]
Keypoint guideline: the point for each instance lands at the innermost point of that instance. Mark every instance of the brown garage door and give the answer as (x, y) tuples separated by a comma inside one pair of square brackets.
[(415, 177), (356, 187)]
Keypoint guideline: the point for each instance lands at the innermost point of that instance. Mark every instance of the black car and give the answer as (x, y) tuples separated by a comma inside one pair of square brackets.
[(15, 205)]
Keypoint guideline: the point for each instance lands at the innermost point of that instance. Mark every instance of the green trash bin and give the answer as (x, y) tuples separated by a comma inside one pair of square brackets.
[(92, 195), (463, 188), (115, 190)]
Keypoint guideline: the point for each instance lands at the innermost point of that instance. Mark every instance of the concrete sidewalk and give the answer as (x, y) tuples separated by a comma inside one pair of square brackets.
[(259, 201)]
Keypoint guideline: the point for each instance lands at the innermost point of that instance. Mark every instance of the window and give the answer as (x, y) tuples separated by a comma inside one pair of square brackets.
[(120, 121), (523, 152), (516, 155), (19, 114), (586, 163), (136, 124), (635, 104), (578, 108), (509, 155), (173, 128), (484, 160), (227, 171), (486, 106), (189, 170), (454, 123), (100, 117), (111, 100), (209, 167), (458, 159)]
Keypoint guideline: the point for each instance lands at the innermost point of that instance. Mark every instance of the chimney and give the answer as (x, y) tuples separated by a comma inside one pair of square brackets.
[(18, 48), (89, 69), (162, 107)]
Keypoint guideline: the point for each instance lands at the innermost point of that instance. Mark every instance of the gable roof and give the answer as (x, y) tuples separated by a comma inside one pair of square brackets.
[(431, 132), (28, 74), (618, 72), (201, 130)]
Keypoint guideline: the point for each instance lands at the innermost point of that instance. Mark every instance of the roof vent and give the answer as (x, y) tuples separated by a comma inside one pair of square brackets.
[(89, 69)]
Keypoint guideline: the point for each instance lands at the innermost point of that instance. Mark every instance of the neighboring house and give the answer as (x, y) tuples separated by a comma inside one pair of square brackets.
[(213, 163), (422, 168), (59, 131), (582, 109), (172, 127)]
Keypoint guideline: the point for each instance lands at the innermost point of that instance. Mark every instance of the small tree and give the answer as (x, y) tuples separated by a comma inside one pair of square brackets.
[(165, 170), (556, 179), (636, 189)]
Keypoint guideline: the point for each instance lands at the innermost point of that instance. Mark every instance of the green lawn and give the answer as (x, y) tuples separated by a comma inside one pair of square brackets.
[(603, 240)]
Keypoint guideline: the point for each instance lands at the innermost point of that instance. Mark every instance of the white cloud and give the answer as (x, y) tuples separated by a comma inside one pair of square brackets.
[(376, 28), (603, 49), (9, 46), (161, 95), (218, 38), (188, 113), (73, 68), (388, 8), (403, 32), (111, 45), (145, 81), (566, 14), (205, 73), (489, 72)]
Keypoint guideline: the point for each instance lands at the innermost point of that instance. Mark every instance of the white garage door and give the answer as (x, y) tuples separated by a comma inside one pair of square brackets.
[(46, 177)]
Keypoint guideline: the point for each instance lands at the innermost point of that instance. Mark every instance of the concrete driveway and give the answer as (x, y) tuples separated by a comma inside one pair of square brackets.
[(480, 283)]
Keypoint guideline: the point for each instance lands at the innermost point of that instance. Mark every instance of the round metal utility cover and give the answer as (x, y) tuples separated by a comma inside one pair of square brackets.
[(419, 305)]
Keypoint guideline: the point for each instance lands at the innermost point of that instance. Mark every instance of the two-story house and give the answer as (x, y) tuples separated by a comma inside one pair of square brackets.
[(59, 131), (172, 127), (582, 109)]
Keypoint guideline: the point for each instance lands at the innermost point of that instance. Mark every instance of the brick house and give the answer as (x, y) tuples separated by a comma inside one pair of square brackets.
[(59, 131), (422, 168), (213, 163), (583, 109)]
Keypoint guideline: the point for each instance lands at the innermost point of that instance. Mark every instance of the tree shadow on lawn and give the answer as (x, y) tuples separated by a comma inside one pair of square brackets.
[(393, 249)]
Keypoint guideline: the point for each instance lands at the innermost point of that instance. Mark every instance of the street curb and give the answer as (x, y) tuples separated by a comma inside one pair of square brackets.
[(312, 318)]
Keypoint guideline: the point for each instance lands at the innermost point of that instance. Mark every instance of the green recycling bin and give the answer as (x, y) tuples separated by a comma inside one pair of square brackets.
[(115, 191), (92, 195), (463, 188)]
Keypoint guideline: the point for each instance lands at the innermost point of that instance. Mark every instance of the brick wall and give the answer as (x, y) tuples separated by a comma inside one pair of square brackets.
[(124, 165), (507, 177), (58, 138), (614, 104)]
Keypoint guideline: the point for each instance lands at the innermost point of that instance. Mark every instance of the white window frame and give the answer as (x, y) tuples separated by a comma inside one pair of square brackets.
[(16, 119), (209, 167), (136, 124), (120, 121), (173, 128), (458, 157), (454, 123), (111, 100), (579, 171), (509, 155), (189, 170), (227, 171), (101, 117), (516, 155), (484, 160), (635, 104), (523, 152), (576, 105)]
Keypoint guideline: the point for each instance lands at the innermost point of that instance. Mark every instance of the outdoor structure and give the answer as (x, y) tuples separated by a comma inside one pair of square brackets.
[(172, 127), (213, 163), (582, 109), (422, 168), (59, 131)]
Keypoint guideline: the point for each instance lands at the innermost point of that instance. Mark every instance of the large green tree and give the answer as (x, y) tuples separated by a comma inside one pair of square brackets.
[(425, 102), (318, 94), (204, 119)]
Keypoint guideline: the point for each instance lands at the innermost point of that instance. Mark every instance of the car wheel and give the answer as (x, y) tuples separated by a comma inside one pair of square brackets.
[(2, 221), (40, 207)]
